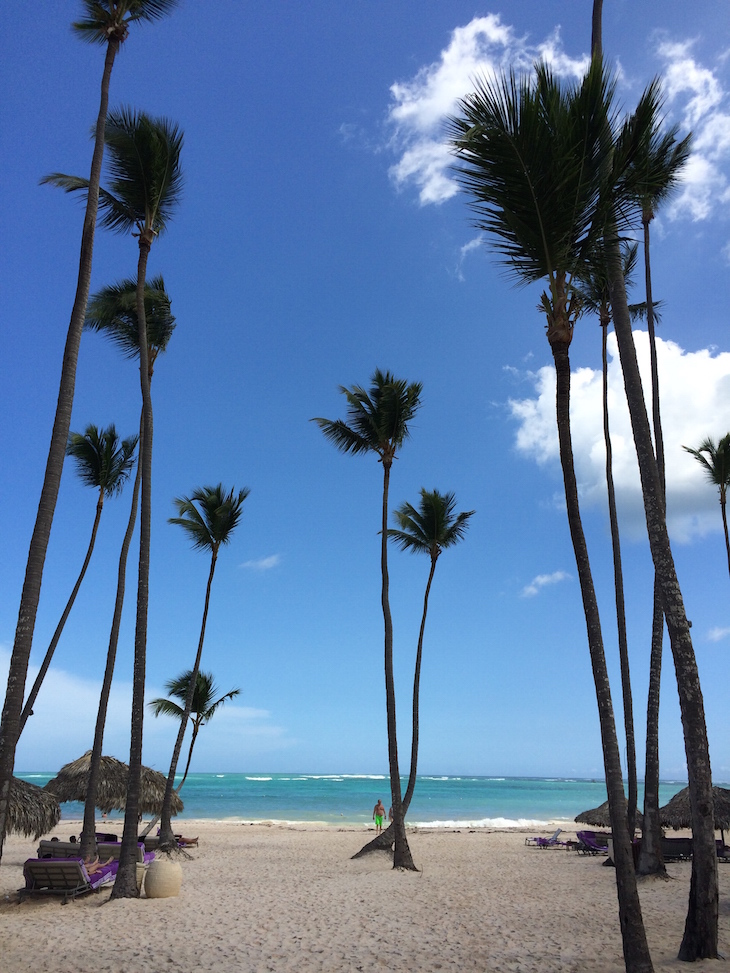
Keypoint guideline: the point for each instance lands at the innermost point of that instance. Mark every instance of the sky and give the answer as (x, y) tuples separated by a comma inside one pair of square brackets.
[(321, 235)]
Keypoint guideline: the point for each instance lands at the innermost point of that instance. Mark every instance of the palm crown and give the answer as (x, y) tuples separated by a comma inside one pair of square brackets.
[(210, 515), (204, 702), (103, 462), (377, 418), (715, 461), (103, 21), (113, 311), (433, 527)]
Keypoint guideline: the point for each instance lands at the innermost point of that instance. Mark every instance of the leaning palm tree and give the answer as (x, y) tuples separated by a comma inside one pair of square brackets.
[(701, 927), (593, 290), (715, 462), (112, 311), (104, 463), (530, 159), (145, 185), (106, 24), (203, 709), (378, 423), (209, 517)]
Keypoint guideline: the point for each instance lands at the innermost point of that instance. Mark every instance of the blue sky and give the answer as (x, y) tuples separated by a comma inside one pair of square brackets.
[(321, 236)]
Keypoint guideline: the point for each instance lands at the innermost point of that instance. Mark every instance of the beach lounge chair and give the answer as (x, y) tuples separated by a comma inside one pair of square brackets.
[(63, 876), (676, 849), (105, 849), (551, 842), (592, 843)]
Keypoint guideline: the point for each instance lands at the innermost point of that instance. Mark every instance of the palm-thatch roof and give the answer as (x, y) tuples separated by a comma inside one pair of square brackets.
[(31, 810), (676, 813), (72, 780), (598, 817)]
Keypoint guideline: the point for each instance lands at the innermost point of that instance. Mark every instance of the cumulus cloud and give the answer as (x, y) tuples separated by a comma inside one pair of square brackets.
[(541, 581), (696, 96), (262, 563), (419, 106), (718, 634), (695, 403)]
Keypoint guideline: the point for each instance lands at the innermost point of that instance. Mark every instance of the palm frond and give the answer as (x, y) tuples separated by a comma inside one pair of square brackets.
[(714, 460), (210, 515), (432, 527), (113, 311), (204, 702), (102, 21), (102, 461)]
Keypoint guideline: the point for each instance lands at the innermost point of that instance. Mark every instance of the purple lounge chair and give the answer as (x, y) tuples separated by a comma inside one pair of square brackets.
[(551, 842), (63, 876), (592, 843)]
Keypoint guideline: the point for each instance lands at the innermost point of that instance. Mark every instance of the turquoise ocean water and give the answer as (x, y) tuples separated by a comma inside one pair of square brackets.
[(348, 799)]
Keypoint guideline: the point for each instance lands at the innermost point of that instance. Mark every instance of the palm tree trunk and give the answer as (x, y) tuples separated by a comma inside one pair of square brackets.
[(167, 838), (18, 671), (635, 947), (651, 861), (723, 504), (402, 857), (28, 708), (196, 730), (700, 934), (416, 694), (623, 647), (125, 885), (88, 834)]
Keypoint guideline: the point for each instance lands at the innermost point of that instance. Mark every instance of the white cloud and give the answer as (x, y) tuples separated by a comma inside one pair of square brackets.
[(420, 106), (263, 563), (695, 403), (718, 634), (541, 581)]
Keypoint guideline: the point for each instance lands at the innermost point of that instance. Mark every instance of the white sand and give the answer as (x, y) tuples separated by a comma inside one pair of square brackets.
[(257, 898)]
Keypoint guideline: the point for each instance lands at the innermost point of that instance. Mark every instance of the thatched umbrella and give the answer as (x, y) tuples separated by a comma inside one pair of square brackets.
[(676, 813), (31, 810), (71, 784), (598, 817)]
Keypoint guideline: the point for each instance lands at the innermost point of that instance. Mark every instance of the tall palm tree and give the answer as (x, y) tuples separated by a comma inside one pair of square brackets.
[(209, 517), (204, 705), (106, 24), (145, 186), (113, 312), (701, 927), (378, 423), (594, 294), (430, 529), (715, 462), (103, 462), (530, 154)]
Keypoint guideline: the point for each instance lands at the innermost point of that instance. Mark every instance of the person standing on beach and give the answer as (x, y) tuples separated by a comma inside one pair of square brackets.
[(379, 815)]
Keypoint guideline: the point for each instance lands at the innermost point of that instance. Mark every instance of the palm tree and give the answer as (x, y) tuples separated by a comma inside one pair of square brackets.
[(204, 705), (530, 158), (701, 927), (107, 24), (209, 517), (430, 529), (113, 312), (378, 423), (105, 464), (715, 462), (595, 297)]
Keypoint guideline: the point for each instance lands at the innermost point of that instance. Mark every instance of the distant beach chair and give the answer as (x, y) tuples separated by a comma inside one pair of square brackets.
[(551, 842), (63, 876), (592, 843), (676, 849)]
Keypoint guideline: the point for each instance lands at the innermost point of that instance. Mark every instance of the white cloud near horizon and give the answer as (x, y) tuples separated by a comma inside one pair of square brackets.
[(717, 634), (62, 727), (420, 106), (541, 581), (695, 403), (262, 563)]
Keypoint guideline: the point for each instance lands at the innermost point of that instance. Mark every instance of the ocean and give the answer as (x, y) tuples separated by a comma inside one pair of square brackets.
[(348, 799)]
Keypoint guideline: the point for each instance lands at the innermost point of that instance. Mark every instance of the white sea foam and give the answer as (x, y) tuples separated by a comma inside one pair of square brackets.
[(483, 823), (258, 778)]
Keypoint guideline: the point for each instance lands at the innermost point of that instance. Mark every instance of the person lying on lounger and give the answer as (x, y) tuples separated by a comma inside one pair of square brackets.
[(95, 866)]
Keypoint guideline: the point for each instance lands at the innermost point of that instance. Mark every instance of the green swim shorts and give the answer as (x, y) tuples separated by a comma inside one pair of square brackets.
[(378, 820)]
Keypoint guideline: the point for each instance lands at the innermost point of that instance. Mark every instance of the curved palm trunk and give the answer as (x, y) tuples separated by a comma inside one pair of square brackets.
[(623, 647), (700, 934), (635, 947), (18, 671), (723, 504), (167, 838), (125, 885), (651, 861), (402, 857), (88, 834), (33, 694), (416, 694)]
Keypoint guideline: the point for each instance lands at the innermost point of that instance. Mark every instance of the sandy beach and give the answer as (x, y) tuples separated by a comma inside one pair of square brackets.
[(285, 898)]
